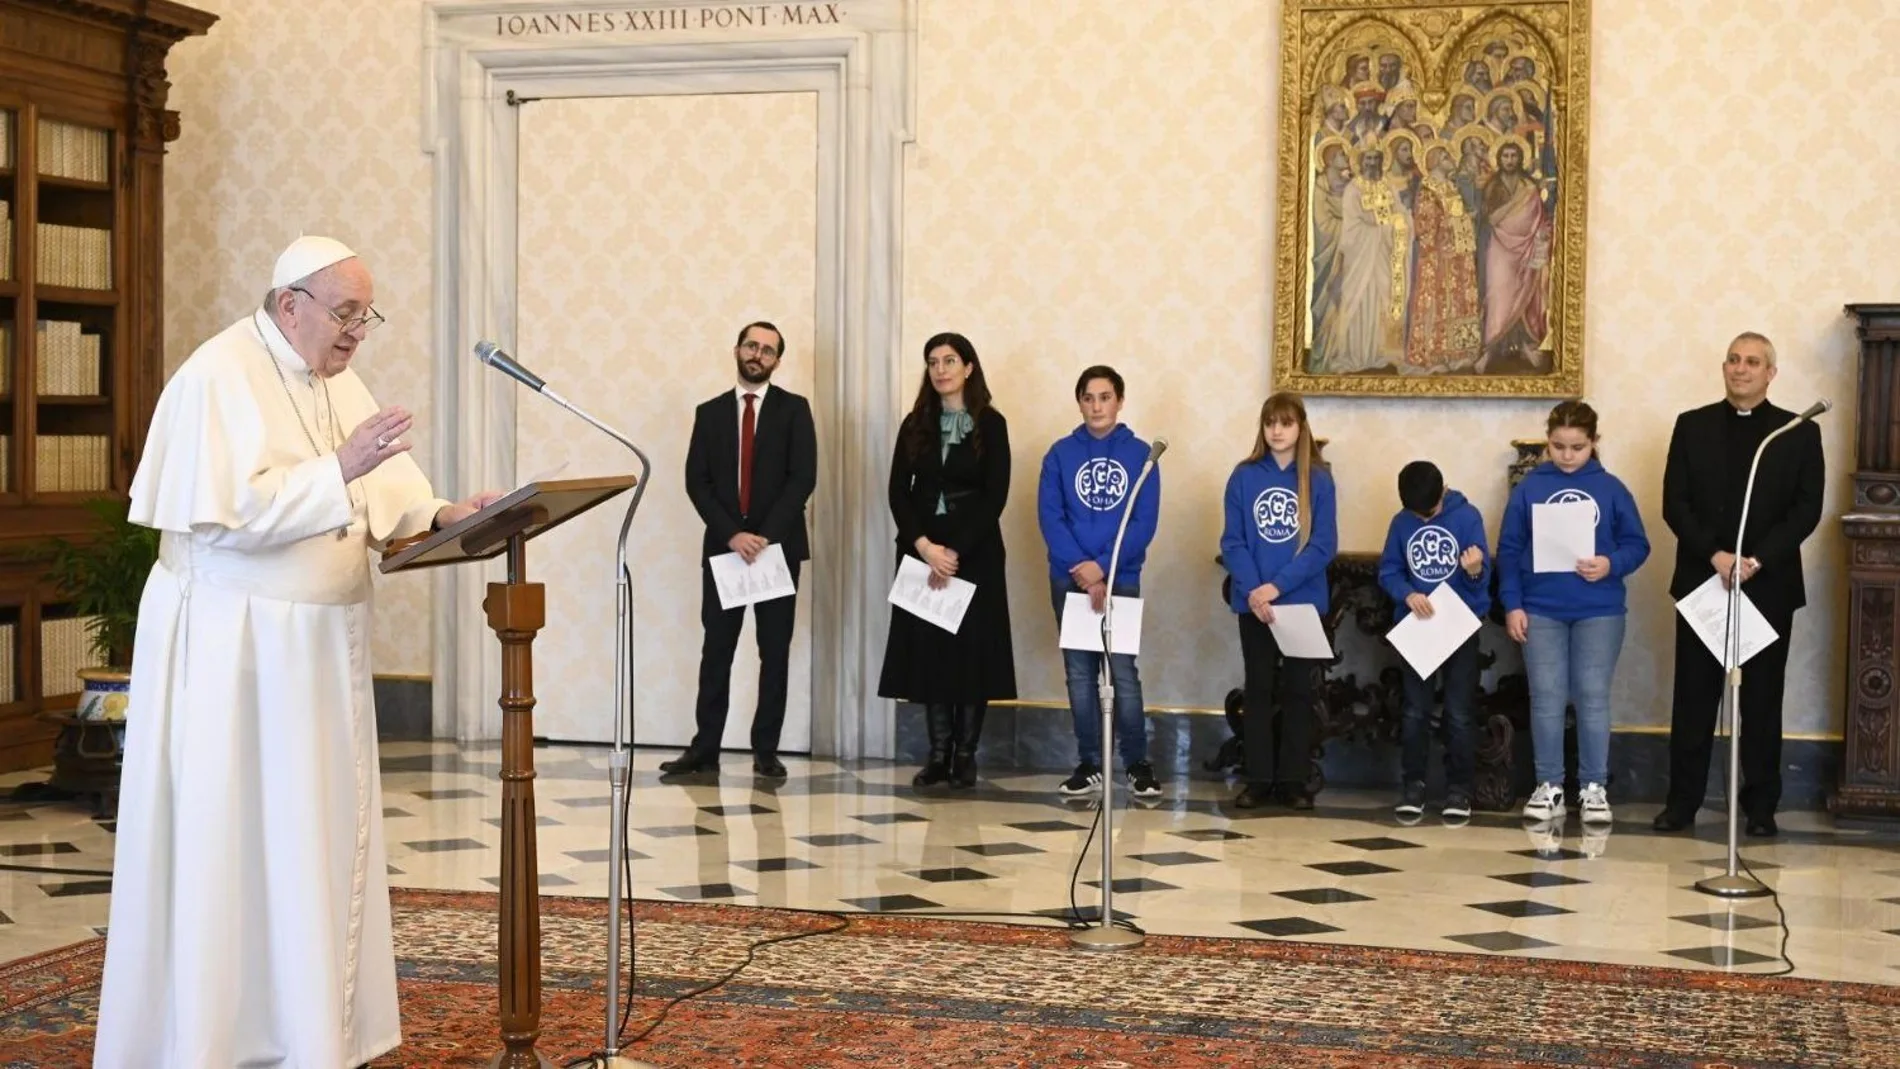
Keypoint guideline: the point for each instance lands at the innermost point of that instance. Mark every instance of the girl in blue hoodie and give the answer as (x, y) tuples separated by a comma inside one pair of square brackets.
[(1279, 536), (1570, 623)]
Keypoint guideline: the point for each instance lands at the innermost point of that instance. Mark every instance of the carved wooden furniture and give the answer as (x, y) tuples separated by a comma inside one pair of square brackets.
[(1869, 784), (83, 128), (1368, 712)]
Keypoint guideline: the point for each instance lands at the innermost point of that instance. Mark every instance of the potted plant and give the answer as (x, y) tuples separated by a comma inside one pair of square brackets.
[(103, 578)]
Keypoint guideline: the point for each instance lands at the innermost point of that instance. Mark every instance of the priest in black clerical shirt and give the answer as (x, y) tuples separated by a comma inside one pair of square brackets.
[(1703, 484)]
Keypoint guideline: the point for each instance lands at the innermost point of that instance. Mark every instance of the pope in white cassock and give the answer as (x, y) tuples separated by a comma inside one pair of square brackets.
[(250, 903)]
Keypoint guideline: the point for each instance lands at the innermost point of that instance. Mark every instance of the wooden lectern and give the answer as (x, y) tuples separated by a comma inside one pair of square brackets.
[(516, 610)]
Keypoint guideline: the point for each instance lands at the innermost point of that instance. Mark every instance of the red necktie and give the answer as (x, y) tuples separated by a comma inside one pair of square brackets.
[(745, 457)]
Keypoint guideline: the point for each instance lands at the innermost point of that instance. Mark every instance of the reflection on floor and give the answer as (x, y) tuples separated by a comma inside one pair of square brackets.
[(855, 836)]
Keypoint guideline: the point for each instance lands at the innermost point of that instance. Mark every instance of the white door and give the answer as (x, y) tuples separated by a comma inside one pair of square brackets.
[(651, 228)]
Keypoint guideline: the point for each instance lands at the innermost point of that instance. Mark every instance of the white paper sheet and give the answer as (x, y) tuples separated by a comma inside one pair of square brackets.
[(1425, 644), (1297, 629), (1562, 534), (911, 592), (1706, 609), (740, 584), (1082, 625), (543, 476)]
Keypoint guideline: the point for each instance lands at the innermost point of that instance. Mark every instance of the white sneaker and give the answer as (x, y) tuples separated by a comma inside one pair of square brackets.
[(1547, 803), (1594, 803)]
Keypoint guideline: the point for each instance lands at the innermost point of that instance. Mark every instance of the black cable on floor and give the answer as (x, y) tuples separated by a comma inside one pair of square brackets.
[(598, 1057), (1076, 920), (1775, 897), (843, 919), (1773, 894), (1075, 877)]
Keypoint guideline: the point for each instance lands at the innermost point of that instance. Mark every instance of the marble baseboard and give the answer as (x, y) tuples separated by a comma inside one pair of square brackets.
[(404, 709), (1041, 739)]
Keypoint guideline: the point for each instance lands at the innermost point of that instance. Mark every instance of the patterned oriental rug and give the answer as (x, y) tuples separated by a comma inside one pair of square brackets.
[(907, 991)]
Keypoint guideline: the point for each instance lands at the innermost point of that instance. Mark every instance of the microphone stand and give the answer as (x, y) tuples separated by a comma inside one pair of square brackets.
[(1105, 936), (619, 761), (1732, 884)]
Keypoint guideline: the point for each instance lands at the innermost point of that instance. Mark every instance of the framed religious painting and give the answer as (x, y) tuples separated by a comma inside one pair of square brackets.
[(1431, 198)]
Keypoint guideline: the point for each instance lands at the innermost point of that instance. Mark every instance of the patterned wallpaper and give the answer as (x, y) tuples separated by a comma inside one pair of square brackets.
[(303, 118), (1092, 181)]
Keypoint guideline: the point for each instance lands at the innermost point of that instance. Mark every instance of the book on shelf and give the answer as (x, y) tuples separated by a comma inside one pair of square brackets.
[(9, 672), (6, 139), (76, 256), (6, 239), (65, 648), (68, 359), (70, 151), (72, 462)]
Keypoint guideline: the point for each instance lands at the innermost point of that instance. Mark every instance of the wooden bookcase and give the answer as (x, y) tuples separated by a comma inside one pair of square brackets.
[(83, 128)]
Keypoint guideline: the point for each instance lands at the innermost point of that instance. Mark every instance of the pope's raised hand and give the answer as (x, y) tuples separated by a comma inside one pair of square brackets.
[(374, 440)]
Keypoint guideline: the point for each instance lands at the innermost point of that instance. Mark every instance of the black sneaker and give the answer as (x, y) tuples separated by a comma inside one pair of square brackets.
[(1457, 805), (1142, 782), (1086, 780), (1411, 800)]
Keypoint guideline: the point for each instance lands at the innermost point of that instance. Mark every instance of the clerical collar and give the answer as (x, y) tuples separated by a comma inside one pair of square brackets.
[(1743, 412), (279, 346)]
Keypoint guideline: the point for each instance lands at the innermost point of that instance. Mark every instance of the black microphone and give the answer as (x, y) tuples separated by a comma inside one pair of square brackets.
[(491, 354), (1814, 410)]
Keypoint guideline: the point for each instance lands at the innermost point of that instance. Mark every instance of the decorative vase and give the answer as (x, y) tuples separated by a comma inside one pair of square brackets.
[(1530, 453), (105, 694)]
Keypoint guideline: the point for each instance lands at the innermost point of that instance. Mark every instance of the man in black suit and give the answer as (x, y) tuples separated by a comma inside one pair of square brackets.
[(1703, 484), (750, 469)]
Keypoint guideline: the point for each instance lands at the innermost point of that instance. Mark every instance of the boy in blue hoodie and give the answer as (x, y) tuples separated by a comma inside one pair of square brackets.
[(1437, 537), (1086, 479)]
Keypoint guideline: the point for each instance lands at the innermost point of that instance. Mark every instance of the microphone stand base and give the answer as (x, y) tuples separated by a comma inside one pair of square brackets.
[(1106, 938), (618, 1061), (1727, 886)]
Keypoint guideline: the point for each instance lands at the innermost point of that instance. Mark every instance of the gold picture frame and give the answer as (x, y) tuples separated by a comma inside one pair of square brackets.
[(1415, 256)]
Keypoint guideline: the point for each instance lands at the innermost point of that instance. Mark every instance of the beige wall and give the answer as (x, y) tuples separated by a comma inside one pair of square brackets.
[(1092, 181)]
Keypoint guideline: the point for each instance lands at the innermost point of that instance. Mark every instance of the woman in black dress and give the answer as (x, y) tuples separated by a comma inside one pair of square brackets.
[(949, 481)]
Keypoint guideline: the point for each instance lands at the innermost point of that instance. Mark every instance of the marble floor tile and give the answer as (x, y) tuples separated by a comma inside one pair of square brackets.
[(855, 836)]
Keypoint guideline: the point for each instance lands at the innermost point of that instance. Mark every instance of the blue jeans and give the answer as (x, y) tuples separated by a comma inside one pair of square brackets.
[(1572, 663), (1460, 672), (1083, 670)]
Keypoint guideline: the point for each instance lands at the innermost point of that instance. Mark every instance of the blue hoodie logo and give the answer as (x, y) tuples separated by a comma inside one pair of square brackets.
[(1565, 497), (1276, 514), (1101, 484), (1432, 554)]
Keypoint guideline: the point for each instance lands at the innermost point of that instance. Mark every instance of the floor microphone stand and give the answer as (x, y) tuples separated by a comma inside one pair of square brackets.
[(1105, 936), (619, 761), (1732, 883)]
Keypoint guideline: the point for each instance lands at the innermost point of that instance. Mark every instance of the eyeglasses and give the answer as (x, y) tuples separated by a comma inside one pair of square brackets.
[(753, 347), (365, 322)]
